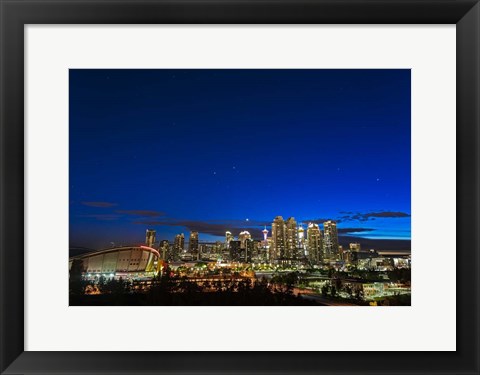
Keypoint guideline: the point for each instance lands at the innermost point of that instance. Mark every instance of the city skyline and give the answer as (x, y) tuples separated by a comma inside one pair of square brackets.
[(216, 150)]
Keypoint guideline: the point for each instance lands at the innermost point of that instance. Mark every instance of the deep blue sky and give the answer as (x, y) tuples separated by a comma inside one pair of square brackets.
[(181, 150)]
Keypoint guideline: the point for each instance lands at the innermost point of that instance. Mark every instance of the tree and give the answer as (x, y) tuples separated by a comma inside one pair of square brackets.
[(333, 291), (77, 284), (101, 283), (349, 291), (113, 286), (325, 289), (338, 283), (359, 294)]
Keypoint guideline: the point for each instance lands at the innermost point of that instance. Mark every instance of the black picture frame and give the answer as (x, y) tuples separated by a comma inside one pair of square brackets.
[(17, 13)]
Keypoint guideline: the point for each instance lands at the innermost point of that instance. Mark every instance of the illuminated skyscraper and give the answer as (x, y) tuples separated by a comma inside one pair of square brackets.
[(292, 238), (228, 238), (330, 240), (164, 250), (269, 249), (249, 250), (301, 242), (193, 243), (279, 239), (217, 249), (340, 252), (178, 244), (243, 237), (150, 237), (355, 246), (235, 251), (314, 243)]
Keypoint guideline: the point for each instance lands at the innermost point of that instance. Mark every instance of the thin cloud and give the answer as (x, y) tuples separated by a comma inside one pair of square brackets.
[(353, 230), (141, 213), (388, 214), (372, 215), (99, 204), (101, 217)]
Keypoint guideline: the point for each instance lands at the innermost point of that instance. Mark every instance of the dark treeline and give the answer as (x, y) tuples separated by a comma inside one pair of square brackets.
[(169, 289)]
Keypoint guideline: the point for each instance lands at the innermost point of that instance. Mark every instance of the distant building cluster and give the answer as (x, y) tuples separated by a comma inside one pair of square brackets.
[(313, 252), (289, 244)]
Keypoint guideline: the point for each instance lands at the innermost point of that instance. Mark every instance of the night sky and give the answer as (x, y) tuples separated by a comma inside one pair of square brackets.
[(216, 150)]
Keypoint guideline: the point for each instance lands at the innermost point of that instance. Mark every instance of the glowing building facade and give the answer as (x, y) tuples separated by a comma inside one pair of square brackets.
[(243, 237), (292, 238), (164, 250), (279, 237), (193, 242), (314, 243), (178, 244), (128, 262), (150, 237), (228, 238), (301, 242), (330, 240)]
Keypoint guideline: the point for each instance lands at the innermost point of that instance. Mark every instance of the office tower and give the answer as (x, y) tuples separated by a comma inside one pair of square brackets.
[(150, 237), (228, 238), (330, 240), (279, 239), (218, 247), (178, 244), (355, 246), (292, 238), (301, 242), (349, 256), (258, 251), (164, 250), (269, 249), (193, 244), (235, 250), (314, 243), (203, 251), (248, 251), (243, 237)]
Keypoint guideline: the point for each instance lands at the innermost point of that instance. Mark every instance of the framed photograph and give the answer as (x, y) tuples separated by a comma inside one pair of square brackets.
[(239, 187)]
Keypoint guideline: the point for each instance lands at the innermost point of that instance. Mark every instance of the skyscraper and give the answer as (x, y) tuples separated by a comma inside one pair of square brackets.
[(301, 242), (243, 237), (330, 240), (292, 238), (164, 250), (217, 249), (178, 244), (279, 239), (355, 246), (314, 243), (193, 243), (228, 238), (249, 250), (235, 251), (150, 237)]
